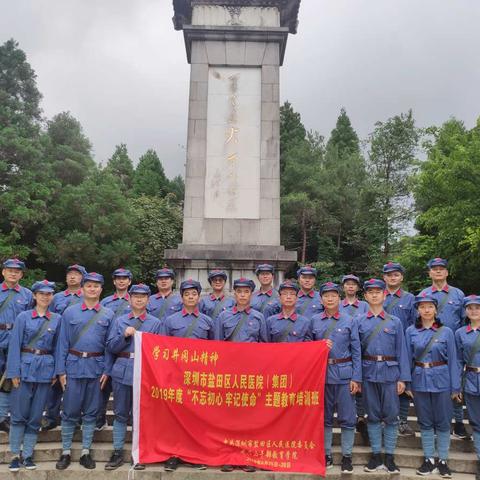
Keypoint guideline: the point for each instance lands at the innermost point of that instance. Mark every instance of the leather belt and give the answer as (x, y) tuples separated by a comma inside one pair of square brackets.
[(472, 369), (429, 364), (85, 354), (6, 326), (334, 361), (36, 351), (126, 354), (380, 358)]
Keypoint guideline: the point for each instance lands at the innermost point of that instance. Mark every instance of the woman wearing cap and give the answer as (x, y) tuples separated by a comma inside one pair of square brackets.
[(468, 354), (435, 382), (344, 372), (217, 302), (31, 366), (265, 299)]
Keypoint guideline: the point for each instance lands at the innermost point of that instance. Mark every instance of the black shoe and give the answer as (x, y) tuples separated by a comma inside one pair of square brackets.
[(390, 464), (427, 467), (328, 461), (64, 462), (199, 466), (405, 430), (443, 469), (460, 431), (139, 466), (375, 463), (87, 461), (48, 424), (171, 465), (363, 430), (347, 466), (116, 460), (29, 464), (248, 468), (227, 468), (4, 426)]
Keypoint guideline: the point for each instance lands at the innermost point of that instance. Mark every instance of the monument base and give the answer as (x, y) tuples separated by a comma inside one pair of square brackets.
[(195, 261)]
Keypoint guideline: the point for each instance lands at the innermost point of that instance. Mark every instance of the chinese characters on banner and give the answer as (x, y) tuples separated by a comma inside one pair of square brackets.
[(229, 403)]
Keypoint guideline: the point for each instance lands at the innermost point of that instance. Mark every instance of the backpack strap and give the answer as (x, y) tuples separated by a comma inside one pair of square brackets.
[(87, 326), (238, 327), (40, 332), (191, 327), (429, 345), (366, 343)]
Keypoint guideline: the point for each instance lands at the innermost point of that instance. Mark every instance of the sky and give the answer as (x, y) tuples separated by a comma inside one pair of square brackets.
[(120, 68)]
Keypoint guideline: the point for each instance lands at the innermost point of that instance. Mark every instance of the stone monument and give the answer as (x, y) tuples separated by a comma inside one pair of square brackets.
[(232, 185)]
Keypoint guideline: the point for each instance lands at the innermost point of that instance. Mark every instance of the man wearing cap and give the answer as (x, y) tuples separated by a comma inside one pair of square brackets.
[(189, 322), (31, 367), (451, 313), (385, 371), (344, 373), (309, 302), (73, 293), (217, 302), (265, 299), (83, 364), (468, 354), (61, 301), (164, 302), (14, 299), (119, 304), (400, 303), (241, 324), (288, 325), (351, 303), (121, 345)]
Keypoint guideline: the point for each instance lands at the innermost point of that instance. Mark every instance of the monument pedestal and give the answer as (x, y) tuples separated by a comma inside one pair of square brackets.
[(232, 183)]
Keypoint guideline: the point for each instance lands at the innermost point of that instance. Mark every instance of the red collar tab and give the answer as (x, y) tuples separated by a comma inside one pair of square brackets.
[(370, 314), (35, 314), (214, 298), (325, 315), (5, 287), (398, 293), (125, 297), (236, 310), (159, 295), (196, 312), (346, 304), (471, 329), (68, 292), (293, 316), (97, 307), (268, 293), (310, 294), (444, 289), (142, 317)]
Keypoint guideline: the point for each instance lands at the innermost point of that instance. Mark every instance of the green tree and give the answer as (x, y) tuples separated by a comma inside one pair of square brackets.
[(392, 164), (177, 188), (292, 132), (120, 165), (68, 149), (149, 178)]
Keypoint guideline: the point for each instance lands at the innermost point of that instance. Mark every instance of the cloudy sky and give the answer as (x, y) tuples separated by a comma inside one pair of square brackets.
[(120, 68)]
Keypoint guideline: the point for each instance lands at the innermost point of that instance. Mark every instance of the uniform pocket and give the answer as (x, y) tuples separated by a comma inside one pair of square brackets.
[(100, 365), (345, 371), (118, 371), (392, 371)]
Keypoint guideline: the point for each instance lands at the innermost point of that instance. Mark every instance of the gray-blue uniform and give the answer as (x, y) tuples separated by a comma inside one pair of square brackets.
[(384, 363), (122, 348), (435, 378), (13, 301), (358, 306), (163, 306), (246, 325), (82, 356), (468, 356), (61, 301), (189, 325), (31, 359), (344, 365), (308, 303), (267, 302), (212, 305)]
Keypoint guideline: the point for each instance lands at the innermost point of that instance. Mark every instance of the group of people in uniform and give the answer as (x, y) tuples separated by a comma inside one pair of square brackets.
[(63, 354)]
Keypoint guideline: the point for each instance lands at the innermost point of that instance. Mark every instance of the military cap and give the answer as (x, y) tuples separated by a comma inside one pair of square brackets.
[(244, 282), (122, 272), (437, 262), (471, 300), (264, 267), (93, 277), (43, 286), (425, 298), (329, 287), (14, 263), (140, 288), (79, 268), (374, 283), (187, 284), (288, 284), (393, 267), (352, 277), (165, 272), (307, 270), (216, 273)]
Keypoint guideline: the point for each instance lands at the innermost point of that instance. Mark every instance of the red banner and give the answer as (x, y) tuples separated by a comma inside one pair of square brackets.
[(230, 403)]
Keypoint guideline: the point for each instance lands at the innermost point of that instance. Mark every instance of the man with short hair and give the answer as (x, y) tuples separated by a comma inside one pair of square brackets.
[(450, 312), (121, 345), (82, 359), (351, 304), (165, 302), (400, 303), (288, 325), (309, 302), (14, 299), (217, 302)]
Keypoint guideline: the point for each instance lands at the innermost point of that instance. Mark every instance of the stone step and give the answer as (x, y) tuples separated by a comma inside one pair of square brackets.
[(105, 436), (408, 458), (47, 471)]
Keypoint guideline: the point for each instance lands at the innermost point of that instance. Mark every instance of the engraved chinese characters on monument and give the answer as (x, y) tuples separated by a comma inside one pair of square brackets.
[(232, 178)]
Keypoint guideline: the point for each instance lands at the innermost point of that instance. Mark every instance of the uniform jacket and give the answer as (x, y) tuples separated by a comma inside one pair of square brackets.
[(176, 325), (465, 338), (210, 305), (63, 300), (254, 329), (301, 331), (155, 304), (400, 304)]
